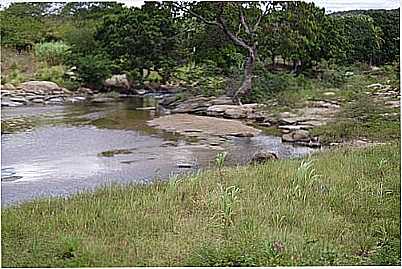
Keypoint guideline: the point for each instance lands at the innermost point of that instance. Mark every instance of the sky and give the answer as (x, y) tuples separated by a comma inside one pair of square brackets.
[(329, 5)]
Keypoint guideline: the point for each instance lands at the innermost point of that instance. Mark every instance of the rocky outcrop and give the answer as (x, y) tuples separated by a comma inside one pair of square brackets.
[(41, 87), (40, 93), (202, 126)]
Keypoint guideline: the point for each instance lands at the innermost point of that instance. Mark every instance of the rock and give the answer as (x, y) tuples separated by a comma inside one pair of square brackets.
[(185, 165), (208, 125), (329, 93), (140, 92), (348, 74), (188, 106), (265, 124), (324, 104), (230, 111), (297, 135), (118, 82), (151, 86), (55, 100), (83, 90), (38, 101), (295, 127), (168, 100), (39, 87), (263, 156), (242, 134), (19, 100), (168, 89), (222, 100), (393, 104), (146, 108), (52, 97), (375, 86), (11, 104), (31, 97), (8, 87), (102, 100)]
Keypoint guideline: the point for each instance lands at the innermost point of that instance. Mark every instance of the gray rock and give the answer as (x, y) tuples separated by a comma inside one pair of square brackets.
[(185, 165), (39, 86), (11, 104), (102, 100), (222, 100), (146, 108), (19, 100), (84, 90), (56, 100), (38, 101), (297, 135), (118, 82), (263, 156)]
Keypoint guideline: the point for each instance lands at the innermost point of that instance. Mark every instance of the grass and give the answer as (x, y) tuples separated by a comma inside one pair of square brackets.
[(335, 208)]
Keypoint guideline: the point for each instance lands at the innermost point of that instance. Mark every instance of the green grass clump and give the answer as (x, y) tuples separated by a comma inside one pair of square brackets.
[(334, 208)]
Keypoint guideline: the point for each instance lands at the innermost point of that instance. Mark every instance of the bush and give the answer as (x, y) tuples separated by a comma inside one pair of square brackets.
[(270, 84), (93, 69), (53, 73), (16, 76), (200, 78), (53, 53)]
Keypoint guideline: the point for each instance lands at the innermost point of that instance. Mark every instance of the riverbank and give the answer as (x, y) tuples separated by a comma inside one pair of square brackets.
[(340, 207)]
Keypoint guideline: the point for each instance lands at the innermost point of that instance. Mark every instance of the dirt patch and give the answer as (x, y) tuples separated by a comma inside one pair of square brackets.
[(187, 124)]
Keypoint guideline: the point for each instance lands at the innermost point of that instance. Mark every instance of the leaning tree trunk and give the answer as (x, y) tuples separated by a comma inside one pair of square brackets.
[(246, 85)]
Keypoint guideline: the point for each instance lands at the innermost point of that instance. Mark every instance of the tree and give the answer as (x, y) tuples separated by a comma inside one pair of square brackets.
[(250, 15), (141, 38)]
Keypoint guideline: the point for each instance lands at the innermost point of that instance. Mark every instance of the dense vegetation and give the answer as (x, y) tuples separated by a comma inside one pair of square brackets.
[(336, 208), (225, 41)]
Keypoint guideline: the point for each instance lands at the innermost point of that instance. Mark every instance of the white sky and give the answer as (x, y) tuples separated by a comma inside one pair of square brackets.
[(329, 5)]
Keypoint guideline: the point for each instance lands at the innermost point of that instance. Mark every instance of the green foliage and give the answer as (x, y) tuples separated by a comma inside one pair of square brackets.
[(15, 77), (140, 38), (52, 73), (268, 85), (92, 69), (200, 79), (53, 53)]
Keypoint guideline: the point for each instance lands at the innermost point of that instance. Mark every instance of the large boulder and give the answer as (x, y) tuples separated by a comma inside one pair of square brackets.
[(118, 82), (37, 86), (296, 136), (194, 105)]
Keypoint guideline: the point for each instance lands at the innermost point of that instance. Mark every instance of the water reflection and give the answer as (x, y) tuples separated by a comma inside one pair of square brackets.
[(75, 147)]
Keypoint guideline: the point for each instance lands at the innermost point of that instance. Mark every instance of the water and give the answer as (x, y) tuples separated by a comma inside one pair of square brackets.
[(60, 150)]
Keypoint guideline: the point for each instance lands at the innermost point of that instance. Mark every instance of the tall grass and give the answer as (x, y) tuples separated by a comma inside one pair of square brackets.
[(348, 213)]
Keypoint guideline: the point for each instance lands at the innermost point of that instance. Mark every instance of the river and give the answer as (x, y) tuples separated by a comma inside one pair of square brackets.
[(60, 150)]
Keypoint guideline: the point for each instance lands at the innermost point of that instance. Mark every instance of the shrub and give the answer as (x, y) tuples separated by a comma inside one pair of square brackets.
[(93, 69), (53, 53), (15, 76), (53, 73), (200, 78)]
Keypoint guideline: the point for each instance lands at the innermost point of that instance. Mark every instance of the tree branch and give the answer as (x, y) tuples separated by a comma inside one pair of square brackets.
[(243, 20), (262, 15), (198, 16)]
